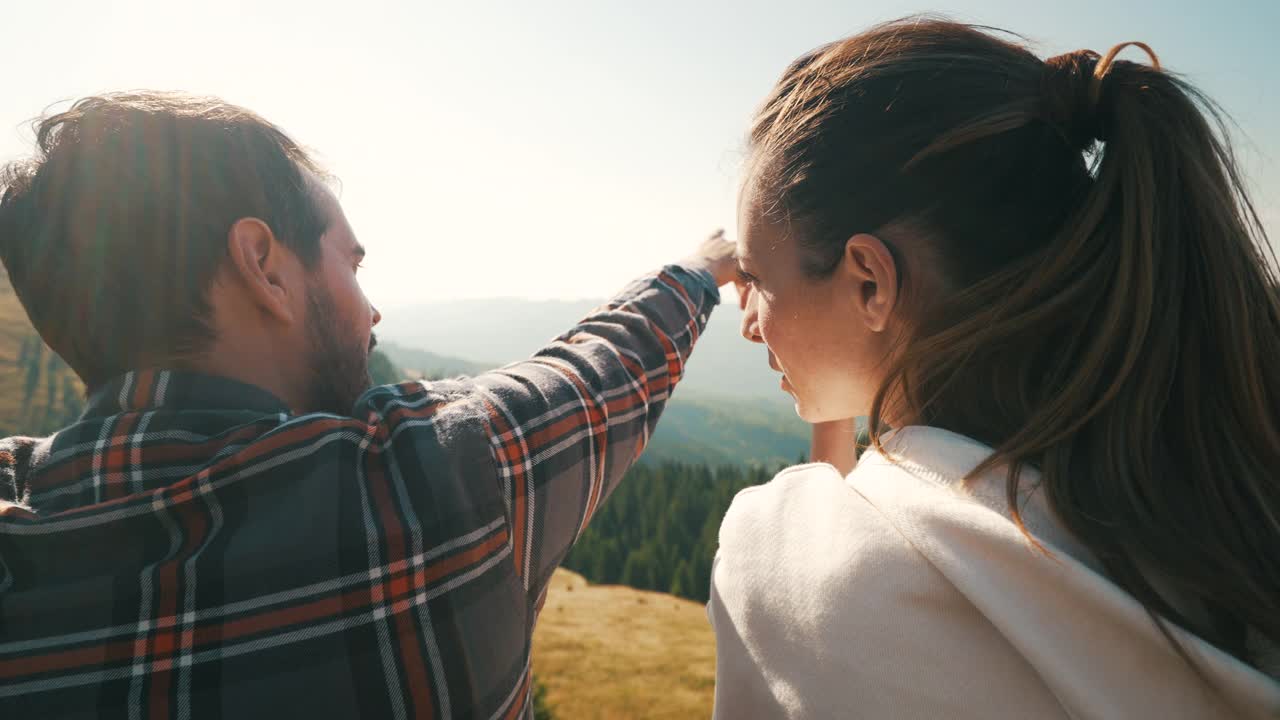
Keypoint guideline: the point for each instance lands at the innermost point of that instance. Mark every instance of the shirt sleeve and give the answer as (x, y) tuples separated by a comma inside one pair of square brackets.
[(565, 425)]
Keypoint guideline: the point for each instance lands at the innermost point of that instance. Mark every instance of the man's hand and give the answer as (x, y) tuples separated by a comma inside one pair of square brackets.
[(716, 256), (13, 510)]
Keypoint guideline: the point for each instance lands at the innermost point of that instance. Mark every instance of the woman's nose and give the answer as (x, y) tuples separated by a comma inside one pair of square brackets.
[(751, 323)]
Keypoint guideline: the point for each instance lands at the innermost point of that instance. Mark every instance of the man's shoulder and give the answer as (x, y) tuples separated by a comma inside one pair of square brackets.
[(442, 414), (416, 392)]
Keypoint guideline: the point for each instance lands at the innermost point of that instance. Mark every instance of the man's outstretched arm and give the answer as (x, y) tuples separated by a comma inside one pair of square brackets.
[(469, 492), (565, 425)]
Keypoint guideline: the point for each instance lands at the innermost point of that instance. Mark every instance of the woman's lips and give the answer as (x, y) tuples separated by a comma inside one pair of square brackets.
[(773, 363)]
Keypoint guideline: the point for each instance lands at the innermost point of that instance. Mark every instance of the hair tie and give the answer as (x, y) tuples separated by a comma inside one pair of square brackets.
[(1071, 92)]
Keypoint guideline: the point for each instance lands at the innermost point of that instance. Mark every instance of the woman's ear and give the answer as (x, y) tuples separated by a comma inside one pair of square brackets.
[(258, 265), (870, 267)]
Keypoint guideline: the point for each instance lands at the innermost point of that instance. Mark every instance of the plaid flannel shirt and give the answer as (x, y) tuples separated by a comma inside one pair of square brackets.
[(189, 549)]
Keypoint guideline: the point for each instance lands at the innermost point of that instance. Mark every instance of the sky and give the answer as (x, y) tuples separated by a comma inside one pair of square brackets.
[(557, 149)]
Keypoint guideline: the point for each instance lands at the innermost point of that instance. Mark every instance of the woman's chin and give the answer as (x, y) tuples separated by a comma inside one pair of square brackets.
[(814, 413), (805, 414), (803, 410)]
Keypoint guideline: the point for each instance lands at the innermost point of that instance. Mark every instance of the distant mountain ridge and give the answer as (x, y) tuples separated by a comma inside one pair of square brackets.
[(419, 363), (496, 331), (727, 409)]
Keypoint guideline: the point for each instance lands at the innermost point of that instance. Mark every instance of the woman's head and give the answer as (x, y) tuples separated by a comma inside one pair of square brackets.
[(1055, 257), (861, 152)]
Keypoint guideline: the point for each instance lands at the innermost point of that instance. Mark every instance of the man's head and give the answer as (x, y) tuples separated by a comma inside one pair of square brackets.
[(157, 230)]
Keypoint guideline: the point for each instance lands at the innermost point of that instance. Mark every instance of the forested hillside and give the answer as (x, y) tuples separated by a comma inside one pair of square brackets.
[(659, 530), (38, 392)]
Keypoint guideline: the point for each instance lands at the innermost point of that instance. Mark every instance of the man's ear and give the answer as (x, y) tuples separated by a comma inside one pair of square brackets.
[(258, 264), (874, 274)]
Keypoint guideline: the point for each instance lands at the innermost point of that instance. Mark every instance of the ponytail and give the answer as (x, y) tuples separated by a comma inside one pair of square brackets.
[(1162, 452)]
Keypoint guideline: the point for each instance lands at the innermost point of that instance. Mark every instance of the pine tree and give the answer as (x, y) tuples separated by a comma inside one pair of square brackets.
[(682, 581), (638, 572), (660, 528), (542, 709)]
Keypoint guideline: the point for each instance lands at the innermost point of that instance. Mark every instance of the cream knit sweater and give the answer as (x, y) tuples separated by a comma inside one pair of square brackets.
[(897, 593)]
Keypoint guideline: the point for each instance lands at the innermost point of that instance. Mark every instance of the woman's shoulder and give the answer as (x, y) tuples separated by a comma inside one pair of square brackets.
[(795, 493), (805, 493), (811, 525), (811, 538), (820, 602), (789, 480)]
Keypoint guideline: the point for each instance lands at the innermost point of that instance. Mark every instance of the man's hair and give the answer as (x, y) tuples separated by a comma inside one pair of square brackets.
[(113, 232)]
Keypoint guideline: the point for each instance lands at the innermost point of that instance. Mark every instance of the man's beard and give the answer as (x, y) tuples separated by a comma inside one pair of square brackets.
[(339, 370)]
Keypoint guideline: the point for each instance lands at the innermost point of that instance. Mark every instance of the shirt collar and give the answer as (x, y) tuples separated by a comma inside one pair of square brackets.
[(946, 459), (940, 455), (142, 390)]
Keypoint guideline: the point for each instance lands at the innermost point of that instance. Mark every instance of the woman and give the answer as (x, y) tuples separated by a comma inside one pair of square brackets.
[(1046, 275)]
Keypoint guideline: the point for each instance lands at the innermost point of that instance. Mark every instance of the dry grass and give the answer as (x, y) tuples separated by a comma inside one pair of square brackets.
[(607, 651)]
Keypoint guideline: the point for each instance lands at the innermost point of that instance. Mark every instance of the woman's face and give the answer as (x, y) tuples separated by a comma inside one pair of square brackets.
[(825, 335)]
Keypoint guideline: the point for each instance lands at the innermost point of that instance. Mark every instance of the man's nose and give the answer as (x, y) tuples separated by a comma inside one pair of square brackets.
[(377, 316)]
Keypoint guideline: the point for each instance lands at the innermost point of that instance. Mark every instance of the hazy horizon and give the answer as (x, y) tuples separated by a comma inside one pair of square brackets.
[(554, 151)]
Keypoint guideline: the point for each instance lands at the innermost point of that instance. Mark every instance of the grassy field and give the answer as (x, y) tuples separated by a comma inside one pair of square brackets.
[(614, 652)]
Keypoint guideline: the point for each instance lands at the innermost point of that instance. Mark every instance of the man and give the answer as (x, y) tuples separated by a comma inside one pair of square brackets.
[(239, 526)]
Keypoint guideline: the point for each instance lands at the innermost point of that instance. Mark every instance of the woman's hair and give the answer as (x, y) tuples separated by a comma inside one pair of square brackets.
[(1100, 303)]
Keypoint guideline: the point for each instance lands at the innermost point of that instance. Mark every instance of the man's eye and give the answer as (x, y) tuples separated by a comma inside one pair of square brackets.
[(746, 277)]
